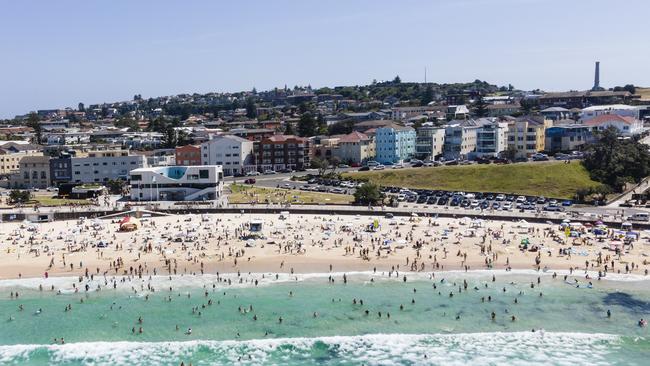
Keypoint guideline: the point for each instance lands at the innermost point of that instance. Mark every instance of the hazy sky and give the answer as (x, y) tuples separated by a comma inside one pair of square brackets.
[(58, 53)]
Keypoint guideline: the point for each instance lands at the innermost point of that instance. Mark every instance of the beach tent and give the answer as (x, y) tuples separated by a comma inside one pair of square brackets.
[(477, 223), (256, 225), (129, 223)]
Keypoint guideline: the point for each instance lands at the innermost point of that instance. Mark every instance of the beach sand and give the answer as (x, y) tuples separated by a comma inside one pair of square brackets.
[(187, 244)]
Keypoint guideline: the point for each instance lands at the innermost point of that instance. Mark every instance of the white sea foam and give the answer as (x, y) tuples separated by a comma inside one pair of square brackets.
[(519, 348), (66, 284)]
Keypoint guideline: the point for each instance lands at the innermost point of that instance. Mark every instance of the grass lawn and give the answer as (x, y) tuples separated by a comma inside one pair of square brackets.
[(246, 194), (44, 201), (550, 179)]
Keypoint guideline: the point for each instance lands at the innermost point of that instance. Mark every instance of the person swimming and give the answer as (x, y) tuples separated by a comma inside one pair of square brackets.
[(188, 331)]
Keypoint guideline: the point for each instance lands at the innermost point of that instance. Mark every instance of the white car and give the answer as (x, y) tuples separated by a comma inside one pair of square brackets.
[(252, 174), (268, 172), (507, 206), (398, 166), (379, 167), (401, 197), (474, 204), (500, 197)]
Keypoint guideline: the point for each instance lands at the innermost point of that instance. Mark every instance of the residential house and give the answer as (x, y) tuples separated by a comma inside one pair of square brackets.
[(429, 142), (177, 183), (526, 135), (626, 126), (457, 112), (394, 143), (555, 113), (355, 148), (622, 110), (498, 110), (234, 153)]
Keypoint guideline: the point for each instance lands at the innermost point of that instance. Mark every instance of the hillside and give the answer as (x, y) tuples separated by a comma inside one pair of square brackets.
[(550, 179)]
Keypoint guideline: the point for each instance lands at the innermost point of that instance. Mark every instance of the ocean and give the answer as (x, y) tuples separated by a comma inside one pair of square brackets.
[(370, 320)]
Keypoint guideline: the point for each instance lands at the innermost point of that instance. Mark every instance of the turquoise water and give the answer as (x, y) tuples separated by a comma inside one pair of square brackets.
[(571, 326)]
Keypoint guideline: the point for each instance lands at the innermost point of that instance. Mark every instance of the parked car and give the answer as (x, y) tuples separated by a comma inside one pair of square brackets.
[(252, 174), (539, 157), (379, 167), (250, 181), (364, 169)]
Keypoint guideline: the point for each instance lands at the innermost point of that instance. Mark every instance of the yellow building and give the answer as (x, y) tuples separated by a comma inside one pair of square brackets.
[(11, 152), (527, 135)]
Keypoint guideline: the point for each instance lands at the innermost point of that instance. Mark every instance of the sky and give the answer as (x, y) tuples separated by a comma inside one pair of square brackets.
[(55, 54)]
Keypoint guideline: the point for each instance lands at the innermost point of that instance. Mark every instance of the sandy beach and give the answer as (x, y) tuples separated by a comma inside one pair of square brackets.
[(224, 243)]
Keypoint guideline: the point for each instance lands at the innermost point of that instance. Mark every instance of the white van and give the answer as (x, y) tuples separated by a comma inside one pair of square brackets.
[(640, 216)]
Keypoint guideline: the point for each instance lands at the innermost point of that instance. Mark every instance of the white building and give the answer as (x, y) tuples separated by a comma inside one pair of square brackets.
[(626, 126), (491, 139), (622, 110), (104, 165), (177, 183), (233, 153), (430, 142)]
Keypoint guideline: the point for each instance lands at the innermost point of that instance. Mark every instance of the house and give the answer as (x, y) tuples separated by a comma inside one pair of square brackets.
[(394, 143), (491, 138), (235, 154), (457, 111), (100, 166), (429, 142), (281, 152), (626, 126), (188, 155), (582, 99), (34, 172), (526, 135), (567, 137), (355, 148), (367, 125), (622, 110), (555, 113), (177, 183), (498, 110)]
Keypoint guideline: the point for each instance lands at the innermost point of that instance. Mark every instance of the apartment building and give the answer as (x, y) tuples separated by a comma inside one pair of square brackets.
[(281, 152), (100, 166), (394, 143), (429, 142), (355, 148), (11, 152), (188, 155), (460, 139), (34, 172), (235, 154), (491, 138), (527, 135)]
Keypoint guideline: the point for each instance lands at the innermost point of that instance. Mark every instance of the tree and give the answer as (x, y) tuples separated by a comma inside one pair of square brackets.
[(288, 128), (170, 138), (615, 162), (368, 194), (480, 107), (340, 128), (251, 109), (510, 153), (320, 164), (18, 196), (116, 186), (427, 96), (81, 107), (127, 122), (307, 125), (397, 80), (34, 122)]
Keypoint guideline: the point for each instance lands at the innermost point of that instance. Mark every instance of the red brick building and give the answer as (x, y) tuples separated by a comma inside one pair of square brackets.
[(188, 155), (281, 152)]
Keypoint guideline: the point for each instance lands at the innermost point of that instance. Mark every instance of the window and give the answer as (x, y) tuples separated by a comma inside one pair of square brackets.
[(204, 173), (136, 177)]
